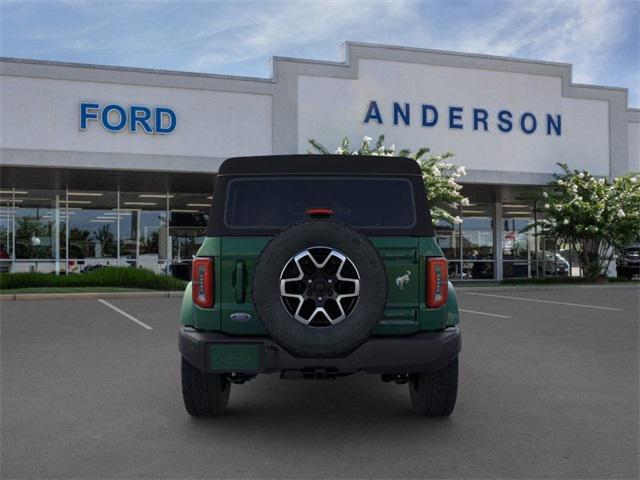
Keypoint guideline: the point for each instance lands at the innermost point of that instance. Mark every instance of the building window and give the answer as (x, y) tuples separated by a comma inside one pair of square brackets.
[(518, 240), (39, 229), (92, 231), (143, 229), (477, 242)]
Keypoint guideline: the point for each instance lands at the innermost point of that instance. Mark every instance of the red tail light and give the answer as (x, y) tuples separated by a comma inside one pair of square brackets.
[(437, 282), (319, 212), (202, 282)]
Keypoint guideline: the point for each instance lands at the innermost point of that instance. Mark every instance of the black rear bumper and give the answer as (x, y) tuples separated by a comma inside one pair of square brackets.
[(421, 352)]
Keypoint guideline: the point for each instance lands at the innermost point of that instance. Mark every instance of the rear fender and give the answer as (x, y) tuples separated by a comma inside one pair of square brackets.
[(451, 308), (186, 310)]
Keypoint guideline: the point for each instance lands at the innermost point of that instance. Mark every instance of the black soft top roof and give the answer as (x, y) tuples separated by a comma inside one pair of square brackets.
[(319, 164), (322, 165)]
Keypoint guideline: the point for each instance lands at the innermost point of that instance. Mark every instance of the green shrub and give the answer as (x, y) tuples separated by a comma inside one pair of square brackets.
[(101, 277)]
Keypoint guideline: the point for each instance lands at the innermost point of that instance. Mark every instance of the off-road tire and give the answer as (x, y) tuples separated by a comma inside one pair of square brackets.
[(434, 394), (204, 394), (320, 342)]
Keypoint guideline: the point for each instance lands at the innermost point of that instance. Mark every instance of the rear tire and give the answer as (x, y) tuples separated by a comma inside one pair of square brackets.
[(204, 394), (434, 394)]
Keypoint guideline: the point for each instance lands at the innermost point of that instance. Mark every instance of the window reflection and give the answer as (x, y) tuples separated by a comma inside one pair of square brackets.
[(92, 230), (6, 230), (143, 229), (448, 238), (477, 242), (518, 240), (188, 226), (37, 224)]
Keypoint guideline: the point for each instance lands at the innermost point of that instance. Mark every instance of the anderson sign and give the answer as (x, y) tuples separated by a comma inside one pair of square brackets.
[(461, 118)]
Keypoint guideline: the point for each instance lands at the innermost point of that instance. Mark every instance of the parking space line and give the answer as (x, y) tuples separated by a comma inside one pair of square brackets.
[(524, 299), (485, 313), (125, 314)]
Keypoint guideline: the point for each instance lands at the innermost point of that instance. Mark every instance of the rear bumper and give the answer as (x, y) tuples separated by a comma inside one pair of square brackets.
[(421, 352)]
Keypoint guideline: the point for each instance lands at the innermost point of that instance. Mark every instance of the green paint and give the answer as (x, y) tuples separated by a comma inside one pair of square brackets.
[(235, 358), (235, 259)]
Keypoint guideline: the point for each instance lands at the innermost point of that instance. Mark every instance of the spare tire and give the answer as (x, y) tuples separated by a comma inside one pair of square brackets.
[(320, 288)]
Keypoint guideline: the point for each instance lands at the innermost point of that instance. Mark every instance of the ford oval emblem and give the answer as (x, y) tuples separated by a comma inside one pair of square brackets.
[(240, 317)]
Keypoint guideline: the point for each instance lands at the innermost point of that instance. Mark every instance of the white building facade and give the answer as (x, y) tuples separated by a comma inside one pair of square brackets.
[(115, 166)]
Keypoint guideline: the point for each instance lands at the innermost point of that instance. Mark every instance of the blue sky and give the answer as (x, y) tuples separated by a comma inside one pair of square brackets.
[(600, 38)]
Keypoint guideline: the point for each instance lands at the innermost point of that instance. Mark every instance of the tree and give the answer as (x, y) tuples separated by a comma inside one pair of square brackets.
[(29, 232), (107, 240), (595, 216), (439, 175)]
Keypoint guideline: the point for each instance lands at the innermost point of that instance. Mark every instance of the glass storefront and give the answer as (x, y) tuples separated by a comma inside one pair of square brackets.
[(68, 231), (74, 230), (469, 246), (471, 249)]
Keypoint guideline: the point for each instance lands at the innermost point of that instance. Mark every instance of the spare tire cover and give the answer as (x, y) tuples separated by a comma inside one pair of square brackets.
[(320, 288)]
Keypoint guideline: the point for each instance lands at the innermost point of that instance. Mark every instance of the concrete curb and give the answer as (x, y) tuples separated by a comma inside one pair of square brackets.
[(87, 296)]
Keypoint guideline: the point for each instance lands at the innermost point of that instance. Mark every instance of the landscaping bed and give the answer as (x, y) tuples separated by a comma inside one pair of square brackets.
[(124, 278)]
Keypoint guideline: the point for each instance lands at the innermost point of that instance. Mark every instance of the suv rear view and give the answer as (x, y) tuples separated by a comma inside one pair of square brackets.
[(319, 267)]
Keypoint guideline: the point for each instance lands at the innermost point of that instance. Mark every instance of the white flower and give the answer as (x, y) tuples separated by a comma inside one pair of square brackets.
[(457, 220), (565, 221), (634, 179), (339, 151), (461, 170), (355, 153), (581, 175), (579, 198), (545, 194), (546, 205), (367, 139), (560, 182), (464, 202), (558, 207), (574, 188), (621, 213), (601, 181)]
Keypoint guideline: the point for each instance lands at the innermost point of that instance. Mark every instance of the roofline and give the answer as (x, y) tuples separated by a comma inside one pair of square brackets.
[(346, 62)]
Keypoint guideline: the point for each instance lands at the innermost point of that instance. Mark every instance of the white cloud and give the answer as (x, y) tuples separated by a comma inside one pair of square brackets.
[(581, 32), (258, 33)]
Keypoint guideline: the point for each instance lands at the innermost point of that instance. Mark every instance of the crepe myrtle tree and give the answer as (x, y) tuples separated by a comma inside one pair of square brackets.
[(595, 216), (439, 175)]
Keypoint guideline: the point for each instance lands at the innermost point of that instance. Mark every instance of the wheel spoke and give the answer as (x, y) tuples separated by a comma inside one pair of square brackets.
[(317, 274)]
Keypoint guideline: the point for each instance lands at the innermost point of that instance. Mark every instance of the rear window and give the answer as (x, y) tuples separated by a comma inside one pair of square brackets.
[(366, 202)]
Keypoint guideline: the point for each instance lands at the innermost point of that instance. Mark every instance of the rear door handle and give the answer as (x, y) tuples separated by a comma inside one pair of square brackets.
[(239, 283)]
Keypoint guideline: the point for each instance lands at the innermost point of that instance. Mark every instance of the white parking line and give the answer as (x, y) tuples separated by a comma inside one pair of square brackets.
[(543, 301), (484, 313), (125, 314)]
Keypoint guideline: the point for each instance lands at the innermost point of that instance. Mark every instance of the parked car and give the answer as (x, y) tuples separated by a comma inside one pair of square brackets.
[(628, 263), (319, 267), (553, 264)]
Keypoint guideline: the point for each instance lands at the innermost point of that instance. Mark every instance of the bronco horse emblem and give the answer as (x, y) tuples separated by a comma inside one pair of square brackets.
[(402, 280)]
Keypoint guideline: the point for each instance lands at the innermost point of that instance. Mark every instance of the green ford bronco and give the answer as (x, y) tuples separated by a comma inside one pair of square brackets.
[(319, 266)]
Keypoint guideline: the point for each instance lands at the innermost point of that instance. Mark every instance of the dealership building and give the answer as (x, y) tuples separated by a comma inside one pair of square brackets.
[(107, 165)]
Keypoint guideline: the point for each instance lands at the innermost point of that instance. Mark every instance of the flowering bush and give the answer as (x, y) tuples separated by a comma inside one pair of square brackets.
[(595, 216), (439, 175)]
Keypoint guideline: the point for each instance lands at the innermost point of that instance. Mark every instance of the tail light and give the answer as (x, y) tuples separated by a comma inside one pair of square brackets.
[(202, 282), (437, 282)]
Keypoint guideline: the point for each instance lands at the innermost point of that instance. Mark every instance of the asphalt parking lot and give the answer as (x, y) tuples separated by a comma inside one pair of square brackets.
[(549, 389)]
